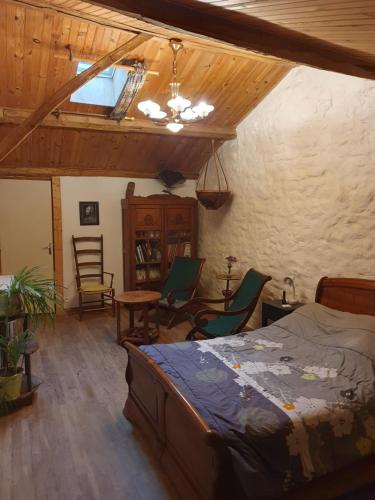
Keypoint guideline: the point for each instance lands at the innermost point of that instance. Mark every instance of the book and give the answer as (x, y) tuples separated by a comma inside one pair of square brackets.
[(187, 249)]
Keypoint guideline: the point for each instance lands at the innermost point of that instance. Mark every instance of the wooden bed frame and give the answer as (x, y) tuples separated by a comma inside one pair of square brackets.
[(193, 455)]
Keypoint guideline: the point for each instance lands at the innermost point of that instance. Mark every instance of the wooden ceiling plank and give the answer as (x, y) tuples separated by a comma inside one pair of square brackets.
[(133, 154), (125, 23), (44, 58), (308, 16), (317, 6), (11, 141), (247, 32), (272, 4)]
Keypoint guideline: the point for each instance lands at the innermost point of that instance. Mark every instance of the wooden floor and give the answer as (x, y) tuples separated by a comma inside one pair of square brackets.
[(74, 442)]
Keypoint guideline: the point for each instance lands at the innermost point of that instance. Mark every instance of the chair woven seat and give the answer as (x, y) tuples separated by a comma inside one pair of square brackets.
[(94, 287)]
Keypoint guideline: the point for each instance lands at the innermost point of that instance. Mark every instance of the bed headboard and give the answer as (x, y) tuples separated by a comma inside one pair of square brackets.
[(347, 294)]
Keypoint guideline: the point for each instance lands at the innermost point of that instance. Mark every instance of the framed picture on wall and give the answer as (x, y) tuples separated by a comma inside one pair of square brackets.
[(89, 213)]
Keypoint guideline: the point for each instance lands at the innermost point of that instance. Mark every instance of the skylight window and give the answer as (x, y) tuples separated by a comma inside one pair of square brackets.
[(102, 90)]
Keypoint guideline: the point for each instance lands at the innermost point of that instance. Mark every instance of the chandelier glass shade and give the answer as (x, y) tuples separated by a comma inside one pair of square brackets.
[(181, 109)]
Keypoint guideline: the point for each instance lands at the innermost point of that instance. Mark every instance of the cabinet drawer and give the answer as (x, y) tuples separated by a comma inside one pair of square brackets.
[(147, 218), (178, 217)]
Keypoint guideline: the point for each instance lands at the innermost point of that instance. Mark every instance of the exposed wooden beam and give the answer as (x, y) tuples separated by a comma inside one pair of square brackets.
[(19, 134), (89, 122), (248, 32), (16, 172), (192, 42)]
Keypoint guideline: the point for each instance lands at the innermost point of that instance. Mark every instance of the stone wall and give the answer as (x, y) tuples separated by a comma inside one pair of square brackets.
[(302, 173)]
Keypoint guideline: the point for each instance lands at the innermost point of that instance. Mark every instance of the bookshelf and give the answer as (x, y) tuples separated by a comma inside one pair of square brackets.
[(156, 229)]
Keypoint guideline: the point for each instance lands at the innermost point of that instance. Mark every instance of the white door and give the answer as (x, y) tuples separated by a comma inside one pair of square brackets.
[(25, 226)]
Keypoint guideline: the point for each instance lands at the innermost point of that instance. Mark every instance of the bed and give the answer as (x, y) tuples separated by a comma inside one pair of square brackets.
[(209, 456)]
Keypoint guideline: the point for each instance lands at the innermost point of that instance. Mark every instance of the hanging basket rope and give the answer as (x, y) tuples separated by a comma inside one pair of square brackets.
[(212, 199)]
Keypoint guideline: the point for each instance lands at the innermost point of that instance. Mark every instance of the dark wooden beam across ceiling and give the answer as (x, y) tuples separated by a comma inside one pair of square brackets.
[(248, 32)]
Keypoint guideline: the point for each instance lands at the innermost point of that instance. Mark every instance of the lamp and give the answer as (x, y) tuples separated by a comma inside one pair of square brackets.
[(289, 281), (180, 108)]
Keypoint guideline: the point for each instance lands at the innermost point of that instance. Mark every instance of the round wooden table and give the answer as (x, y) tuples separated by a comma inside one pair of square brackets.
[(134, 301), (227, 292)]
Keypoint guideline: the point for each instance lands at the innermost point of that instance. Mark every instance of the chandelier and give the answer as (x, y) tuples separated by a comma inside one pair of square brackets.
[(181, 109)]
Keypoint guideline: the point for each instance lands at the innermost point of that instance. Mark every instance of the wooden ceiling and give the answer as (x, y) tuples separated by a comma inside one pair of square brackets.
[(350, 23), (220, 68), (37, 64)]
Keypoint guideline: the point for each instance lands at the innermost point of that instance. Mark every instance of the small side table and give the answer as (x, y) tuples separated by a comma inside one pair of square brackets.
[(227, 292), (272, 310), (134, 301)]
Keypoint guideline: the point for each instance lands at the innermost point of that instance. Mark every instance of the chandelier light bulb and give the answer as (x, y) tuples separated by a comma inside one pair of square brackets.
[(157, 115), (174, 127), (189, 114), (179, 103), (148, 107), (203, 109)]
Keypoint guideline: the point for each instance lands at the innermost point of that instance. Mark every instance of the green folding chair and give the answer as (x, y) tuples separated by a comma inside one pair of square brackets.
[(234, 319), (180, 285)]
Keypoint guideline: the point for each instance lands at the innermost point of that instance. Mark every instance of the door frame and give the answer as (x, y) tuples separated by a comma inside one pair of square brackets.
[(58, 264)]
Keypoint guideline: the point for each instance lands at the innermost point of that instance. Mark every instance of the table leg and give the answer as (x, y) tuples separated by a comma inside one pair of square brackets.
[(118, 312), (146, 334), (131, 319), (157, 317), (227, 293), (264, 319)]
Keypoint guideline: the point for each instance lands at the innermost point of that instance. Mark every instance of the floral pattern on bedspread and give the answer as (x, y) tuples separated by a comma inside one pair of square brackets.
[(293, 401)]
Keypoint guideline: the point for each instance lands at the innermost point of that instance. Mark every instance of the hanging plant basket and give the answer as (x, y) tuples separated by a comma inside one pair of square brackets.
[(212, 186), (212, 200)]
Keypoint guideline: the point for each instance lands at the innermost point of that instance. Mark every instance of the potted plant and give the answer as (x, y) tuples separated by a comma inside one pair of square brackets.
[(24, 293), (30, 293), (11, 350)]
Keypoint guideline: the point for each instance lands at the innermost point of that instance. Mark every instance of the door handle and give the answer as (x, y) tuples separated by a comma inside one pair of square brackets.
[(49, 248)]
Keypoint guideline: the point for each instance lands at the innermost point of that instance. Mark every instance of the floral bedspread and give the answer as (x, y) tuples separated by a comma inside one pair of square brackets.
[(293, 401)]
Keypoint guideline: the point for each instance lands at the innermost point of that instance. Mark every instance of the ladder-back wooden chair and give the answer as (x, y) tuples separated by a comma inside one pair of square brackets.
[(88, 254)]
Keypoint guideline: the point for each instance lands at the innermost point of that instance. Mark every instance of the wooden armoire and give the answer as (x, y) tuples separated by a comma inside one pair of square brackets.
[(155, 229)]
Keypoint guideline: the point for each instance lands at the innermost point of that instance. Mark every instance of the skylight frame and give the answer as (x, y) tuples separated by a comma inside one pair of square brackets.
[(107, 73)]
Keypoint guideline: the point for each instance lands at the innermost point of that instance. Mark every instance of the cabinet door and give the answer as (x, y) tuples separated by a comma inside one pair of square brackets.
[(179, 217), (147, 218)]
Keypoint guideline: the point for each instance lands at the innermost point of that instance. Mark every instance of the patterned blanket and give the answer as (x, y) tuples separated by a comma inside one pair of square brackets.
[(293, 401)]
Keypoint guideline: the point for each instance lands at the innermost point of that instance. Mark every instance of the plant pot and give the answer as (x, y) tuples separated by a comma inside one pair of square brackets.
[(9, 306), (10, 386)]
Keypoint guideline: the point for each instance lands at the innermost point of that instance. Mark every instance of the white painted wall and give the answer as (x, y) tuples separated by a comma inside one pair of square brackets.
[(108, 191), (302, 173)]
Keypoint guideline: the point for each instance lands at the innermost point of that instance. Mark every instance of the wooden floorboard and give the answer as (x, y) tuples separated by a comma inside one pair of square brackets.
[(73, 442)]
